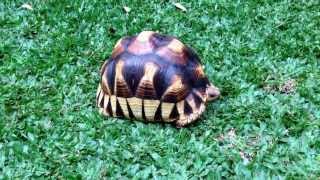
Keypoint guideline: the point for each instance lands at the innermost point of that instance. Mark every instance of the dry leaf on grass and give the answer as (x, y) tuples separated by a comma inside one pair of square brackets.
[(180, 6), (245, 157), (289, 86), (126, 9), (232, 134), (27, 6)]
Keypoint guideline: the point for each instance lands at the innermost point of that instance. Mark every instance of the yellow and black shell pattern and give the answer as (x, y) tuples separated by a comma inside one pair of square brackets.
[(152, 77)]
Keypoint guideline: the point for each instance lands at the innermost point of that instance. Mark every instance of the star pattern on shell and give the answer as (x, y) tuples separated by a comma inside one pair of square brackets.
[(154, 77)]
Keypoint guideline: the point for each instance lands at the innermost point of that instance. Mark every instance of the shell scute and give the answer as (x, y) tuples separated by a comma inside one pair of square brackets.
[(121, 88), (150, 108), (121, 46), (142, 44), (132, 73), (145, 88), (124, 107), (160, 40), (176, 91)]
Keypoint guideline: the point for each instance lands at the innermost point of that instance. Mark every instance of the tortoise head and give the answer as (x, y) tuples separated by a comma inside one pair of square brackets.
[(212, 92)]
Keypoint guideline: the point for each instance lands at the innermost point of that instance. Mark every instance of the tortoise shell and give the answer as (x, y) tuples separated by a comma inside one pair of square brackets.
[(154, 77)]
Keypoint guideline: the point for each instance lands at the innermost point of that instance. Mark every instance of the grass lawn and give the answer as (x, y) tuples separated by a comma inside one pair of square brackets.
[(264, 56)]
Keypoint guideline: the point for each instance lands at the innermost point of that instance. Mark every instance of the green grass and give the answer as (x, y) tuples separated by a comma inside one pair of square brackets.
[(49, 63)]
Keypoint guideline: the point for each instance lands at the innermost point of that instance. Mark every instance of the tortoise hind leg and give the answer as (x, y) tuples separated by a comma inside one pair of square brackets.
[(102, 101)]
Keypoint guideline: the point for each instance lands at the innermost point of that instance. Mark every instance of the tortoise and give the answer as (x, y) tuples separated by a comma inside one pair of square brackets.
[(154, 77)]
